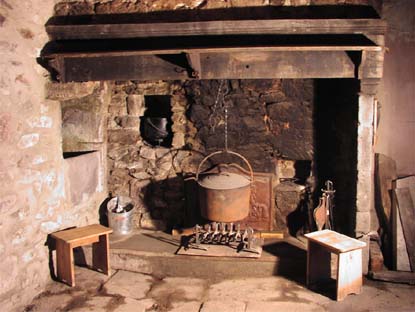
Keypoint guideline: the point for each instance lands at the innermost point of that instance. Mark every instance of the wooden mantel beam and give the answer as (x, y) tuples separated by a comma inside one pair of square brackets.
[(254, 43), (194, 63), (217, 65), (223, 27), (270, 65)]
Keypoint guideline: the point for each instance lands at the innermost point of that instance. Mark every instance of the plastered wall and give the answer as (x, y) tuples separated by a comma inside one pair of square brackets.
[(396, 131), (35, 183)]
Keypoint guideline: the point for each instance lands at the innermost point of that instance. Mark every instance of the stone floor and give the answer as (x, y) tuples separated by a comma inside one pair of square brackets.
[(149, 275), (126, 291)]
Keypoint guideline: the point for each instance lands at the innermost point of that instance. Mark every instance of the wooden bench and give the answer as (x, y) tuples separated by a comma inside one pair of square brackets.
[(321, 244), (67, 240)]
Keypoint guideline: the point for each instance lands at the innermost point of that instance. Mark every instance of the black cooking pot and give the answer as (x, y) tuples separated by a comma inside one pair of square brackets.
[(155, 129)]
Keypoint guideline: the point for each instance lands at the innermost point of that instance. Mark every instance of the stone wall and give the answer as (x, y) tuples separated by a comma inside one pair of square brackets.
[(396, 109), (269, 120), (83, 114), (153, 176), (79, 7), (34, 180)]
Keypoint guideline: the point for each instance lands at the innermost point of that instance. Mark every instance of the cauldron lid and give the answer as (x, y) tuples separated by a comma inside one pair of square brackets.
[(224, 181)]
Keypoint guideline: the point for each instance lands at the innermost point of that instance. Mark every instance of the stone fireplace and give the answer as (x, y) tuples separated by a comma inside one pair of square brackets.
[(299, 132), (299, 85), (72, 136)]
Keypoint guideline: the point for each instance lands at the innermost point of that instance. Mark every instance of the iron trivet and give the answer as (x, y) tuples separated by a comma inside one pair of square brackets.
[(221, 239)]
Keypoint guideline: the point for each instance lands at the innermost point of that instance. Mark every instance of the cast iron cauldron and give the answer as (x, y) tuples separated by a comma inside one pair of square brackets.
[(155, 129), (224, 196)]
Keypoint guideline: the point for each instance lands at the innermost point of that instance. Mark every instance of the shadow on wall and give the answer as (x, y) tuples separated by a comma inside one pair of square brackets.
[(103, 217), (298, 219), (164, 203), (172, 202)]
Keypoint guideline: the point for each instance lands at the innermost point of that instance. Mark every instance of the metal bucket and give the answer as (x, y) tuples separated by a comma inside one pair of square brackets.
[(224, 196), (120, 222)]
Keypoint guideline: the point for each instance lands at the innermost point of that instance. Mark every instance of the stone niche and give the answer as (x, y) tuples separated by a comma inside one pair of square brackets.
[(270, 122), (83, 109)]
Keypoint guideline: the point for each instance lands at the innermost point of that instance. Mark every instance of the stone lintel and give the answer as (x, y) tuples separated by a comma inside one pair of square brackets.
[(69, 91)]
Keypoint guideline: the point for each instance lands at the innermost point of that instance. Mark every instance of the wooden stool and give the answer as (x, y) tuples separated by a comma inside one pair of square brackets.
[(67, 240), (349, 265)]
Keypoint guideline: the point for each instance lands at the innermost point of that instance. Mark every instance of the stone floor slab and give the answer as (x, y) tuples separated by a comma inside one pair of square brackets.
[(132, 305), (379, 297), (96, 304), (129, 284), (53, 301), (117, 303), (194, 295), (263, 289), (60, 297), (225, 306), (179, 289), (283, 306), (191, 306), (88, 279)]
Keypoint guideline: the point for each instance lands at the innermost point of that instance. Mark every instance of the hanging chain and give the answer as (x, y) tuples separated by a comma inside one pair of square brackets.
[(212, 118), (225, 109), (215, 120), (226, 125)]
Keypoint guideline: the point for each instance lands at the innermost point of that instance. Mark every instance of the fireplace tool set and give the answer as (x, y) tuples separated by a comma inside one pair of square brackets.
[(323, 214)]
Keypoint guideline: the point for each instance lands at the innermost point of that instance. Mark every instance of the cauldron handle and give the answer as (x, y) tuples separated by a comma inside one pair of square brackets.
[(229, 152)]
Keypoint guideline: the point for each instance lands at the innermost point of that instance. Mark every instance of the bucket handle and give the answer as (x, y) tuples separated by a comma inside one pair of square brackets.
[(251, 172)]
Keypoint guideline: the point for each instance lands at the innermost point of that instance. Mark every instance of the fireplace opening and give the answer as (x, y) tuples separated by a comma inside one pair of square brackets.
[(296, 134), (336, 123)]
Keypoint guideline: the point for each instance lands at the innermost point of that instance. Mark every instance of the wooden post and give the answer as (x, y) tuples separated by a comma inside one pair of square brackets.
[(64, 259)]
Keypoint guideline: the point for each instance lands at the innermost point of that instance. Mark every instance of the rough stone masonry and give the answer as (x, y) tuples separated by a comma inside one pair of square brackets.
[(268, 120)]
